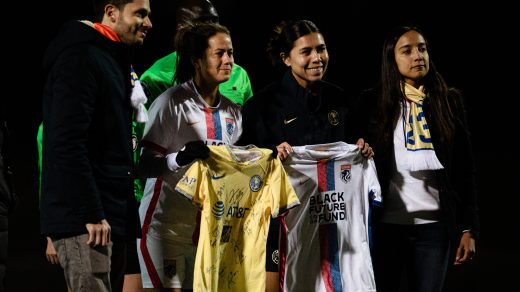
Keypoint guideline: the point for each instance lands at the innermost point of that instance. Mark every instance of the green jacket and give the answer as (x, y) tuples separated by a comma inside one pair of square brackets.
[(159, 78)]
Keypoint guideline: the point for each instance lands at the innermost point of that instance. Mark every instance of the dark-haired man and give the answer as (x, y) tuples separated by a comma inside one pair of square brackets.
[(87, 206)]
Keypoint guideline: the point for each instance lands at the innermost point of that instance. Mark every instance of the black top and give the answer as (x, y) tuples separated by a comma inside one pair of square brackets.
[(87, 172), (286, 112)]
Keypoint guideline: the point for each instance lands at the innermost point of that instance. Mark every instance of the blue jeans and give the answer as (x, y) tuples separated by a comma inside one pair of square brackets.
[(413, 254)]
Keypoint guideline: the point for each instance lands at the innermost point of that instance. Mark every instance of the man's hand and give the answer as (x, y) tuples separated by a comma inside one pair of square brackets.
[(50, 253), (98, 234)]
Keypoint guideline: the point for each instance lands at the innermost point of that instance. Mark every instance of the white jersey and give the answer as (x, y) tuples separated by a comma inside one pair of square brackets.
[(176, 117), (325, 242)]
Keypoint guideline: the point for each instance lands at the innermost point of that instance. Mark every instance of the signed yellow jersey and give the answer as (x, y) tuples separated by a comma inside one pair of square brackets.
[(239, 189)]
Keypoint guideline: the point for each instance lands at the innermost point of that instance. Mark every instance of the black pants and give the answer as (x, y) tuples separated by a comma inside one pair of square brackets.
[(417, 253), (118, 263), (3, 258)]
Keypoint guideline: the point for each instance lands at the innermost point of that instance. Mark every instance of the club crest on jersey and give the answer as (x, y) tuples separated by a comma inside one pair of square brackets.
[(134, 143), (230, 126), (218, 210), (255, 183), (345, 172), (275, 256), (333, 117)]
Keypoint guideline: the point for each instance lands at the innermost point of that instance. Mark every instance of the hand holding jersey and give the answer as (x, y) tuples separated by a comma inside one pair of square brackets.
[(366, 150), (193, 150), (183, 120), (284, 149)]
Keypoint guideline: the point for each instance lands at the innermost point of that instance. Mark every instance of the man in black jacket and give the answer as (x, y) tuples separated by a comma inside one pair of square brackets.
[(88, 207)]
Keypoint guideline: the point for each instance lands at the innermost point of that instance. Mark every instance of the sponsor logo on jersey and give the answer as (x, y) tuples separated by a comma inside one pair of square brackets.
[(304, 180), (327, 207), (287, 121), (188, 181), (218, 210), (255, 183), (237, 212), (345, 172), (214, 176), (230, 125), (333, 117), (213, 142)]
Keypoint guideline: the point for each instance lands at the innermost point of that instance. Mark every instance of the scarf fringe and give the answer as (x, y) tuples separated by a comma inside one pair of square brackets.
[(426, 161), (138, 99)]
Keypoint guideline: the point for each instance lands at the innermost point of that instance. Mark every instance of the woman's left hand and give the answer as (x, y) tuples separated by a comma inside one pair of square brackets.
[(365, 148), (466, 249)]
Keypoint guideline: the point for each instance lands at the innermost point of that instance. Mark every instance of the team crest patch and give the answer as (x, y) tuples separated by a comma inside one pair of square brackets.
[(275, 256), (333, 117), (345, 172), (255, 183), (230, 126), (218, 210)]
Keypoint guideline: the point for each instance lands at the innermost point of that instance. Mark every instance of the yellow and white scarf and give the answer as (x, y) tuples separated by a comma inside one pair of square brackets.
[(418, 141)]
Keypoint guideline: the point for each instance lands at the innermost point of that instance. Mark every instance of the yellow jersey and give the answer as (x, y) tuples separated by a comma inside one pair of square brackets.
[(239, 189)]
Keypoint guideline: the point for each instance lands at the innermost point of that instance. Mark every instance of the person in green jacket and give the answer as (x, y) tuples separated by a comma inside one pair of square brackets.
[(159, 76)]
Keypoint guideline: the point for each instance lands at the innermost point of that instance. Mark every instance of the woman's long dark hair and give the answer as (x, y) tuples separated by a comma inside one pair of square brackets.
[(392, 93)]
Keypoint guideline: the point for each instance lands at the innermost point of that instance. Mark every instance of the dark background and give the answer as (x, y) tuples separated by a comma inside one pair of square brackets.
[(471, 44)]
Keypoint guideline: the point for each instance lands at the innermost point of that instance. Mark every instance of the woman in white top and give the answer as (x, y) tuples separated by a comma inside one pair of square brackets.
[(183, 120)]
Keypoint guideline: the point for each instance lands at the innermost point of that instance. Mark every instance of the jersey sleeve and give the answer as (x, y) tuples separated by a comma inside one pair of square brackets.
[(192, 184), (372, 183), (281, 190), (161, 126)]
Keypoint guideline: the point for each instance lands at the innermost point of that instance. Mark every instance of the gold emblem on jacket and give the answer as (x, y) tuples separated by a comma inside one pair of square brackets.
[(333, 117)]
